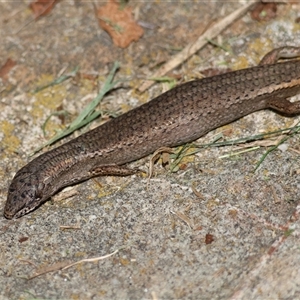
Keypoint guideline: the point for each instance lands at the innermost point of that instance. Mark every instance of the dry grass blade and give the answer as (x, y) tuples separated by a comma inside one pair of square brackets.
[(60, 266), (155, 156), (192, 48), (197, 193), (184, 218), (88, 114), (90, 260)]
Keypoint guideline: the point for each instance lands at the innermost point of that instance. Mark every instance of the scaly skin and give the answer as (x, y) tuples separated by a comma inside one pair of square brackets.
[(178, 116)]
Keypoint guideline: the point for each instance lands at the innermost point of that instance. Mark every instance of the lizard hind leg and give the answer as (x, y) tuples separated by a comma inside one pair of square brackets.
[(284, 106), (282, 52)]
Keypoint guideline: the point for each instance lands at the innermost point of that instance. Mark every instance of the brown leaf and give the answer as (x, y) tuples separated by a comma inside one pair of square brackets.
[(209, 238), (42, 7), (4, 70), (119, 23), (264, 11), (23, 239)]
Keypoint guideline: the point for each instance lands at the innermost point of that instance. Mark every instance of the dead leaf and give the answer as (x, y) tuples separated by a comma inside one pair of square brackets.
[(209, 238), (119, 23), (42, 7), (23, 239), (4, 70), (264, 11)]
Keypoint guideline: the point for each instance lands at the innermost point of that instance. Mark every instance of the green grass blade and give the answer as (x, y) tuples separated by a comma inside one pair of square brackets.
[(88, 114)]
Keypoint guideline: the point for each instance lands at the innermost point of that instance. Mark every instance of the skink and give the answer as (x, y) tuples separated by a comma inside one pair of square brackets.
[(178, 116)]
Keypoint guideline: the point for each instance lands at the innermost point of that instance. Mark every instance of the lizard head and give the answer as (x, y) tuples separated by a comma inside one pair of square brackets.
[(24, 194)]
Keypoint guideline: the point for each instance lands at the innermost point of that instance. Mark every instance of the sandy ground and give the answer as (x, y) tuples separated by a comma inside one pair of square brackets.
[(239, 240)]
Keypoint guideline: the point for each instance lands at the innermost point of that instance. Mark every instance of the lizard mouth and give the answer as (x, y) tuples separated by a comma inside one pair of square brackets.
[(8, 215), (23, 211)]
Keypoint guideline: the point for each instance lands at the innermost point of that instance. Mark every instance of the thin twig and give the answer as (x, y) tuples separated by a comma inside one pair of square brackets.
[(62, 267), (192, 48)]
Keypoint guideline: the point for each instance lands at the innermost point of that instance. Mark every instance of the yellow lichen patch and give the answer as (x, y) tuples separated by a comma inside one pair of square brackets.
[(48, 99), (124, 261), (80, 254), (101, 293), (2, 172), (127, 71), (107, 190), (10, 141), (241, 63), (212, 204), (104, 191), (145, 60), (87, 86), (266, 174), (125, 107), (143, 98), (52, 96), (296, 27), (259, 48)]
